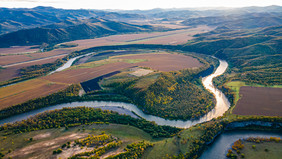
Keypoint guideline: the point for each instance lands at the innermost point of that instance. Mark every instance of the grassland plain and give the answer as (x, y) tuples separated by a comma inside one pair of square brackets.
[(254, 148), (52, 139), (263, 150)]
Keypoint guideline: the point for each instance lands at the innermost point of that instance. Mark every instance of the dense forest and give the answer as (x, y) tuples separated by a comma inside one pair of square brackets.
[(174, 95), (254, 55)]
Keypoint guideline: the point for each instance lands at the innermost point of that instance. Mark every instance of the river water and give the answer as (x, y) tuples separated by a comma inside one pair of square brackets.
[(69, 63), (222, 105), (218, 149), (65, 66)]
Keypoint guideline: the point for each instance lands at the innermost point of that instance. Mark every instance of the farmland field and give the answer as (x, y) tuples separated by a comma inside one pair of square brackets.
[(185, 81), (27, 90), (42, 86), (13, 71), (16, 55), (165, 62), (13, 59), (18, 50), (259, 101), (169, 37)]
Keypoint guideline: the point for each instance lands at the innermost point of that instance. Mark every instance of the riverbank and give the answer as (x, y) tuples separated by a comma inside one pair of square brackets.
[(220, 108)]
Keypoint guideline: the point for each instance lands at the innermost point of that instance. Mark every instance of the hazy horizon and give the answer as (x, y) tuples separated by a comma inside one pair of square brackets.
[(137, 4)]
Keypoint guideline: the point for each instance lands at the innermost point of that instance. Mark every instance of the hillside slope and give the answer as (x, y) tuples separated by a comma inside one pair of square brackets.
[(255, 54), (71, 30), (13, 19)]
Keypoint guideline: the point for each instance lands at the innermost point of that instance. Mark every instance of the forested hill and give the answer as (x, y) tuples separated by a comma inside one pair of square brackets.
[(13, 19), (238, 21), (71, 30), (253, 53)]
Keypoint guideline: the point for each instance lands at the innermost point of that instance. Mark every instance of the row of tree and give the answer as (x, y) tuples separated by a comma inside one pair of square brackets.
[(134, 150), (63, 96), (86, 115)]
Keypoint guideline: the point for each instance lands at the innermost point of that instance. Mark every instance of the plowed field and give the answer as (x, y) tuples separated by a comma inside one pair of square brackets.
[(259, 101)]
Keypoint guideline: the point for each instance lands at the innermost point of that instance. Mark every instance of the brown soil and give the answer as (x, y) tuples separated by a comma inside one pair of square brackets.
[(259, 101), (140, 72), (165, 62), (17, 50), (170, 37), (13, 71), (83, 74), (12, 59), (42, 136), (112, 153), (72, 151), (27, 90), (49, 145)]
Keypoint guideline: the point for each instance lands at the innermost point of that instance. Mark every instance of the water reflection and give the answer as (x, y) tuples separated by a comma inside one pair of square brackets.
[(222, 105)]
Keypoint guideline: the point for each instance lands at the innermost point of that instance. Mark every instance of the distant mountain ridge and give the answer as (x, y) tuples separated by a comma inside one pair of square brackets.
[(246, 21), (23, 18), (185, 13), (71, 30)]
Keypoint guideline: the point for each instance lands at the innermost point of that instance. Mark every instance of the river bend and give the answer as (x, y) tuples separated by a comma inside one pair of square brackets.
[(221, 107)]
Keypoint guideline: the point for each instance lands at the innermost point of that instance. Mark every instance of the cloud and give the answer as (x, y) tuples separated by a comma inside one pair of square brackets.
[(135, 4), (18, 0), (33, 1)]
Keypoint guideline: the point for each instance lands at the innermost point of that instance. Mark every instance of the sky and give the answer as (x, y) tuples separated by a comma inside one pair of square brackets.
[(135, 4)]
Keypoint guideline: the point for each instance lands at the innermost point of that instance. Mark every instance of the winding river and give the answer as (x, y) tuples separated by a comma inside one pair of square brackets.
[(222, 104), (216, 150)]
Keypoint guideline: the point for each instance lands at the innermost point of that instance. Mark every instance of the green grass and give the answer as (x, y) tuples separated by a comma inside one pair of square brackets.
[(274, 150), (105, 62), (134, 60), (146, 81), (162, 148), (142, 83), (127, 134), (175, 145)]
